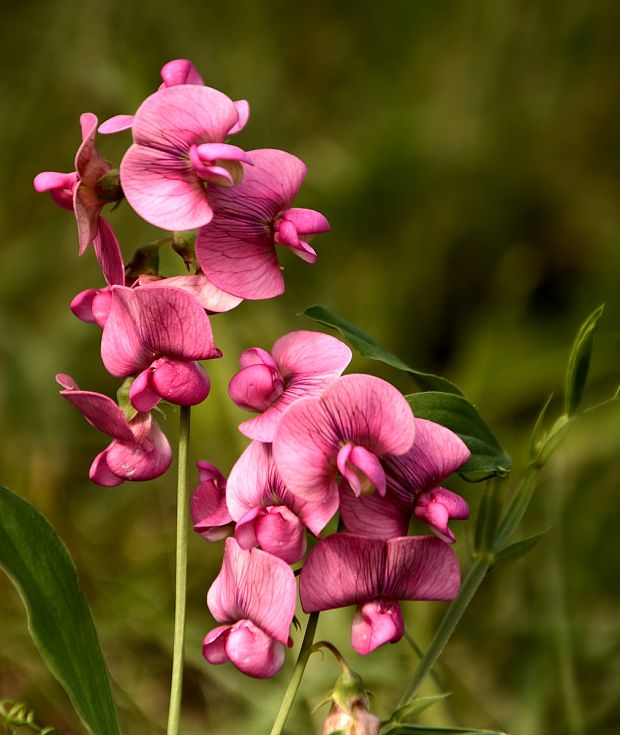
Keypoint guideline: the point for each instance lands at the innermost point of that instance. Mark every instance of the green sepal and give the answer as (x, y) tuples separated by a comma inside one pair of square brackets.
[(366, 346), (456, 413), (122, 398), (145, 261), (579, 362), (184, 244), (518, 549)]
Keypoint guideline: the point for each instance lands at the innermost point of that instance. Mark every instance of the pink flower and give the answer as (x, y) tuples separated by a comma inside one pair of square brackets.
[(139, 450), (237, 249), (173, 73), (267, 514), (208, 295), (373, 574), (158, 333), (254, 596), (179, 154), (412, 486), (300, 364), (209, 512), (348, 429)]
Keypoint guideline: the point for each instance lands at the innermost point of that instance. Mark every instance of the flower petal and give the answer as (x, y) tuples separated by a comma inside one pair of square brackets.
[(182, 382), (141, 461), (342, 570), (214, 645), (420, 568), (180, 71), (115, 124), (255, 387), (373, 515), (108, 254), (376, 623), (254, 652), (281, 533), (142, 395), (254, 585), (209, 296), (210, 515), (101, 474), (306, 221), (243, 111)]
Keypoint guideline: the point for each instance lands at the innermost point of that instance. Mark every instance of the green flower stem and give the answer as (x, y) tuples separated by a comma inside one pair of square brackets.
[(298, 672), (176, 685), (472, 581)]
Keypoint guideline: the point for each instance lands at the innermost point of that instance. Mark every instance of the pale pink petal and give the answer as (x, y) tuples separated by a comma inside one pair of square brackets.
[(437, 517), (254, 585), (437, 507), (373, 515), (225, 151), (306, 221), (342, 570), (101, 474), (210, 297), (163, 190), (59, 185), (108, 254), (243, 111), (99, 410), (361, 469), (376, 623), (180, 382), (146, 323), (455, 504), (137, 462), (254, 652), (245, 530), (255, 387), (305, 252), (115, 124), (180, 71), (141, 394), (420, 568), (436, 453), (214, 645), (256, 356)]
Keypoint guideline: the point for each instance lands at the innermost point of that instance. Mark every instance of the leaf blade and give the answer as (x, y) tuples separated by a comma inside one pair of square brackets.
[(579, 362), (59, 618)]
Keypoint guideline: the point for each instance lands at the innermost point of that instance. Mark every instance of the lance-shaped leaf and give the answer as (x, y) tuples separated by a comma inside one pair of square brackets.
[(459, 415), (404, 728), (59, 618), (579, 362), (518, 549), (367, 346)]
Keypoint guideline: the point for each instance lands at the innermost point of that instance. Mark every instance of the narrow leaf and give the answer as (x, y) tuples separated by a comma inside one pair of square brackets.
[(416, 707), (366, 345), (458, 414), (579, 362), (411, 728), (59, 618), (536, 437), (518, 549)]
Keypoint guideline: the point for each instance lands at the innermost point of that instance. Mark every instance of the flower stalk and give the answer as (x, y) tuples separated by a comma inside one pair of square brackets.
[(176, 685)]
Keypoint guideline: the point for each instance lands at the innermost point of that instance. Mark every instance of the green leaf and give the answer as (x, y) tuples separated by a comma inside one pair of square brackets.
[(518, 549), (414, 708), (411, 728), (59, 618), (579, 362), (366, 345), (536, 437), (459, 415)]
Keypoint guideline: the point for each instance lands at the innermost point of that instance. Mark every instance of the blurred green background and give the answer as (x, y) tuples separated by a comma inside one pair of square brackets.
[(467, 155)]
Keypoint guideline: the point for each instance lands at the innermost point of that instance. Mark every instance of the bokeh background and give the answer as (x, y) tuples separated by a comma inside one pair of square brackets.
[(467, 155)]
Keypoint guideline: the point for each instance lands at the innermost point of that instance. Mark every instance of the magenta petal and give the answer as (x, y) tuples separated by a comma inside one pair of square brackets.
[(101, 474), (115, 124), (287, 234), (141, 461), (210, 515), (49, 180), (243, 111), (437, 517), (280, 532), (180, 71), (108, 254), (373, 515), (305, 252), (146, 323), (255, 387), (361, 469), (254, 585), (180, 382), (250, 482), (99, 410), (224, 151), (420, 568), (214, 645), (376, 623), (245, 530), (141, 394), (82, 305), (306, 221), (456, 505), (254, 652), (256, 356), (342, 570)]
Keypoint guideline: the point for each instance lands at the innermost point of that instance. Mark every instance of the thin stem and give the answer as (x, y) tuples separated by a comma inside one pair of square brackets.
[(176, 685), (472, 581), (298, 672)]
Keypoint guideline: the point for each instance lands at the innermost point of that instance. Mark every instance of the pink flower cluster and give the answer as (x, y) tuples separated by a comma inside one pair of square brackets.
[(324, 443)]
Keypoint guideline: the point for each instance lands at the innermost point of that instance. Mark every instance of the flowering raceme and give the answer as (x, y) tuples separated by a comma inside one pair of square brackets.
[(236, 250), (139, 450)]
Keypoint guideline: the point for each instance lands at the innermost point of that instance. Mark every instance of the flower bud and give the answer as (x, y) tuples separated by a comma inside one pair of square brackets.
[(349, 713)]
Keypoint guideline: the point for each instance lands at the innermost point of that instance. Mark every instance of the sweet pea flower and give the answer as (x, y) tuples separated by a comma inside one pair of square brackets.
[(158, 333), (348, 429), (412, 487), (82, 190), (210, 514), (139, 450), (345, 569), (237, 249), (267, 514), (177, 71), (300, 364), (254, 596), (208, 295), (179, 155)]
